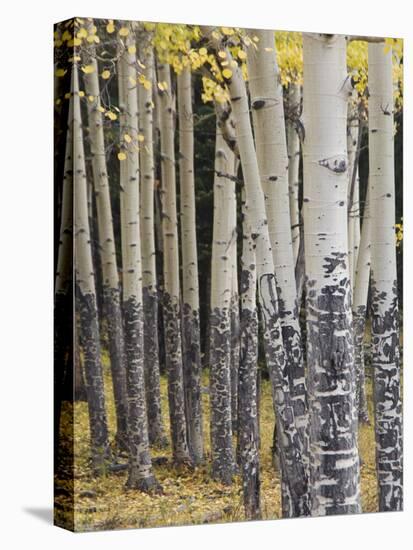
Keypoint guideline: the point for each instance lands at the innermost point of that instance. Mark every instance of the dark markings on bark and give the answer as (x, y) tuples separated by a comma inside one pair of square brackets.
[(99, 439), (174, 368), (220, 383), (111, 297), (335, 474), (192, 382), (248, 412), (140, 466), (235, 358), (388, 408), (156, 429), (359, 323)]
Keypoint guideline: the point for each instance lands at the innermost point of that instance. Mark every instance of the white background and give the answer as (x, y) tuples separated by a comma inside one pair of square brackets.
[(26, 273)]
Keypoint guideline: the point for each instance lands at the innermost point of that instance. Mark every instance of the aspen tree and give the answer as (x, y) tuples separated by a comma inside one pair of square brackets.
[(360, 294), (384, 307), (111, 286), (270, 141), (293, 147), (171, 297), (295, 479), (190, 290), (334, 460), (220, 319), (248, 434), (147, 214), (86, 294), (140, 466)]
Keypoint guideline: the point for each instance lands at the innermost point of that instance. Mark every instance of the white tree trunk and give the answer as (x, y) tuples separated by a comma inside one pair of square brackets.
[(190, 290), (353, 129), (220, 320), (86, 293), (384, 308), (171, 298), (140, 466), (149, 280), (111, 287), (294, 474), (293, 145), (334, 456), (360, 294), (270, 140)]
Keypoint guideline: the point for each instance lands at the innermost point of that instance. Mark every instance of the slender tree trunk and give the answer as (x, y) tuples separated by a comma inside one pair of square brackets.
[(270, 139), (335, 475), (140, 466), (190, 290), (111, 286), (149, 282), (360, 294), (248, 434), (63, 298), (293, 143), (220, 319), (171, 298), (293, 469), (86, 296), (353, 129), (234, 307), (384, 307)]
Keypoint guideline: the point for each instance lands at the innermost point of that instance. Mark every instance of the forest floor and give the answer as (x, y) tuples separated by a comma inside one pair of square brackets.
[(190, 496)]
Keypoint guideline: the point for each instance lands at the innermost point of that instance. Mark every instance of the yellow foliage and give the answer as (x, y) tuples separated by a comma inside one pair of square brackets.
[(88, 69), (123, 31), (127, 138), (105, 74), (227, 73), (60, 72), (121, 155), (110, 27)]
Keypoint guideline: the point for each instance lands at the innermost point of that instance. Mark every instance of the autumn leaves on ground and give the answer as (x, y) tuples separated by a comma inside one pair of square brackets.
[(228, 283), (190, 497)]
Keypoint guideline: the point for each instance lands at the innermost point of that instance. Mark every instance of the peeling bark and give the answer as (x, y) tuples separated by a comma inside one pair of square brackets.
[(334, 460), (384, 307)]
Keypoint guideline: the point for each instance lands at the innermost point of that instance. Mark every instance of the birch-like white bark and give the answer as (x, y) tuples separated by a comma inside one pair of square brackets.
[(86, 293), (334, 460), (140, 466), (147, 224), (171, 297), (384, 307), (190, 285)]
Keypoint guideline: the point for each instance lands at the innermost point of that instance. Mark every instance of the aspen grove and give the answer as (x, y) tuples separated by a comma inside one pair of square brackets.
[(229, 222)]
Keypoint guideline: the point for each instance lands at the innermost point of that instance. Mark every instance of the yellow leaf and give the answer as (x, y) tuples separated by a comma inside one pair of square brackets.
[(76, 42), (222, 54), (203, 51), (91, 98), (111, 115), (227, 31), (81, 94), (227, 73), (122, 156), (123, 31), (141, 138), (110, 27), (67, 95), (147, 85), (132, 49), (88, 69), (60, 72), (160, 86), (82, 33), (105, 74), (101, 109), (127, 138), (242, 54)]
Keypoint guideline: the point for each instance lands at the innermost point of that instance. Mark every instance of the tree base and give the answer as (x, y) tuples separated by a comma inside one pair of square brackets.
[(149, 485)]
